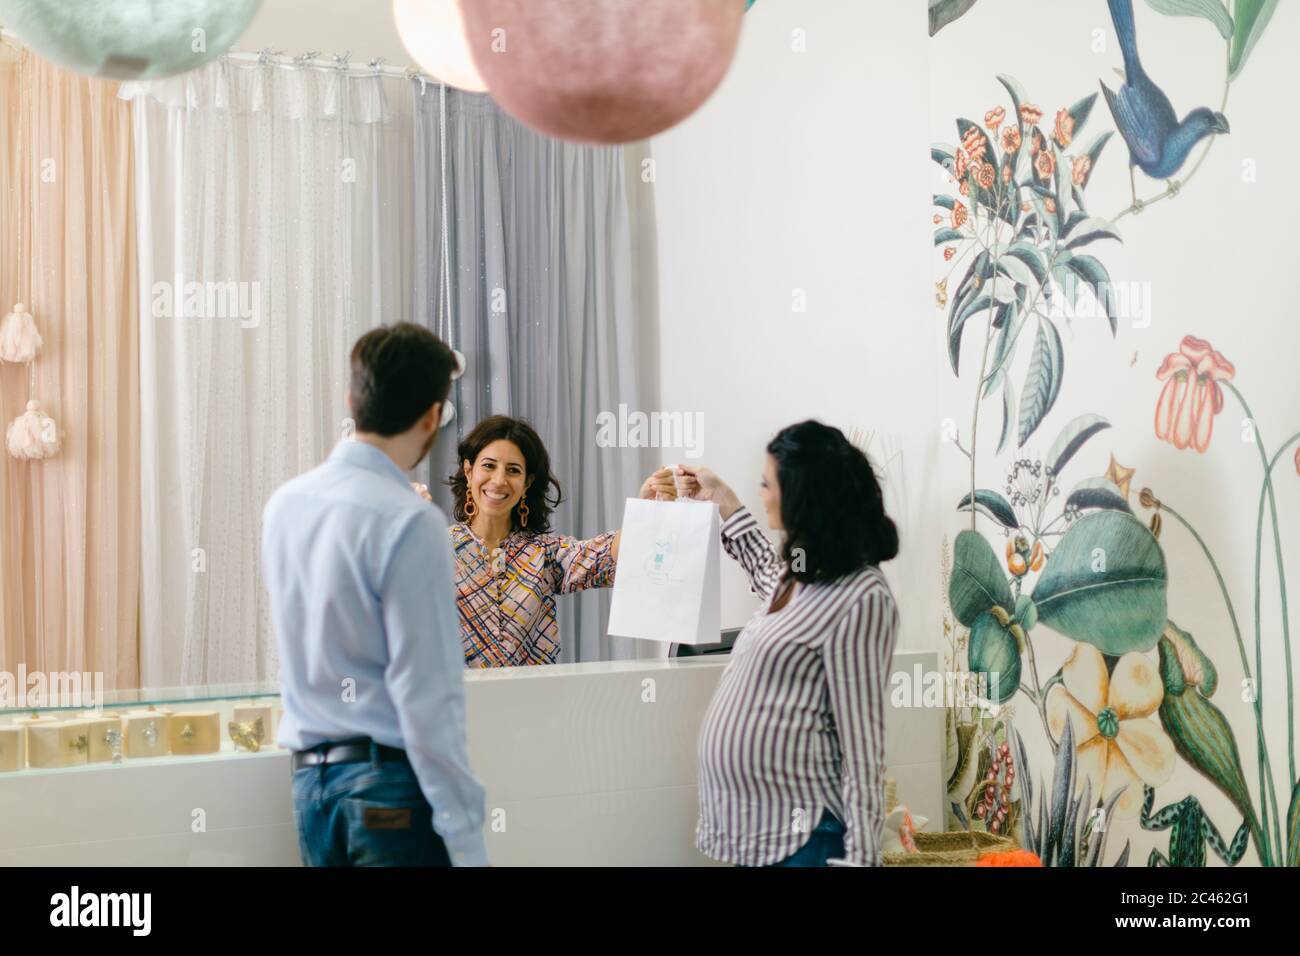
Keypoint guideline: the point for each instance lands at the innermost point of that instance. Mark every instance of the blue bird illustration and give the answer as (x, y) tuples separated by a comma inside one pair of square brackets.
[(1157, 142)]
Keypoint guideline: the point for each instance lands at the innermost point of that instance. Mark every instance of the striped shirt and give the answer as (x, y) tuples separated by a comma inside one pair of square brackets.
[(796, 725), (506, 597)]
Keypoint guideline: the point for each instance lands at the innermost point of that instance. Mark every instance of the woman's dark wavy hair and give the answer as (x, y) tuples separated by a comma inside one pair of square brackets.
[(831, 504), (542, 495)]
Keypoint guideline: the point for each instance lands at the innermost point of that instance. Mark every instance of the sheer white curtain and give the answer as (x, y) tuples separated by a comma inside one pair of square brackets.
[(274, 214), (545, 268)]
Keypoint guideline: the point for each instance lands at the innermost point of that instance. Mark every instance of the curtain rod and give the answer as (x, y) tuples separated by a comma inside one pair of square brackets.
[(312, 60)]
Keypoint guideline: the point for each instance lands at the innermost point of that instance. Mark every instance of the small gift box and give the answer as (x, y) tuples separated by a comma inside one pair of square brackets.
[(253, 727), (57, 743), (195, 732), (13, 747), (106, 736), (144, 733)]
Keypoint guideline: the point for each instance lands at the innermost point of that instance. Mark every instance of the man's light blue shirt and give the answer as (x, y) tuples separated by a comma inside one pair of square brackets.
[(359, 569)]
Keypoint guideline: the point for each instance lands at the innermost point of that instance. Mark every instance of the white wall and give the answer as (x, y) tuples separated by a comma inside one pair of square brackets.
[(807, 171), (329, 26)]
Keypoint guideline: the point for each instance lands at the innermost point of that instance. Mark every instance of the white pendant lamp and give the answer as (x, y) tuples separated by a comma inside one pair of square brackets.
[(128, 39), (433, 32)]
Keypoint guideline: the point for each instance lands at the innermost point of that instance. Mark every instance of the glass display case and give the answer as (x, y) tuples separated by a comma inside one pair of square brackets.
[(129, 726)]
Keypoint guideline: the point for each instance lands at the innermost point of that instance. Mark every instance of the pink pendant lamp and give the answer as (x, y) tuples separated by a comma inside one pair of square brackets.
[(602, 71)]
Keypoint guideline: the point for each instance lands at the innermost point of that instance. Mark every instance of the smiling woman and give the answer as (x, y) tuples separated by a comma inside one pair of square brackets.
[(509, 565)]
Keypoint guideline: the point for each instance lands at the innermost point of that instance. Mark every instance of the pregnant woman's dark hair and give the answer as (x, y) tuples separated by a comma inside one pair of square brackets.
[(832, 507)]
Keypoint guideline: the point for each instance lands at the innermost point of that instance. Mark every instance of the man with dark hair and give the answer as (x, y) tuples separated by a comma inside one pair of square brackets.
[(360, 575)]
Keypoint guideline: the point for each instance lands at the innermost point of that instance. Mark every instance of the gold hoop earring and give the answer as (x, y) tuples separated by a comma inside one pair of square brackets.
[(523, 513), (469, 509)]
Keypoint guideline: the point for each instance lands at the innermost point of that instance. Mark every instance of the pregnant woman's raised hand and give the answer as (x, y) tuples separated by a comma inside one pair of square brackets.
[(703, 484)]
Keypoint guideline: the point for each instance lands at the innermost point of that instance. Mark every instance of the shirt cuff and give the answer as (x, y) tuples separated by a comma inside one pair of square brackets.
[(467, 848), (740, 522)]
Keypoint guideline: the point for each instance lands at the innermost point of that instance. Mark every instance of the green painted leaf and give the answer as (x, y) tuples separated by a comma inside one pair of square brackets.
[(945, 234), (1017, 269), (1029, 254), (980, 303), (1211, 10), (1293, 828), (1062, 791), (1090, 229), (1071, 439), (1250, 17), (1061, 175), (1097, 278), (1026, 786), (994, 655), (992, 505), (1018, 98), (1008, 413), (1093, 152), (1004, 350), (947, 202), (978, 582), (1105, 584), (979, 270), (1042, 381), (1026, 612), (1097, 493), (1079, 213), (944, 12), (1080, 111)]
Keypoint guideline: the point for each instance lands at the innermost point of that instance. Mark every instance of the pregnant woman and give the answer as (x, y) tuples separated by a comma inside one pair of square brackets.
[(792, 748), (509, 564)]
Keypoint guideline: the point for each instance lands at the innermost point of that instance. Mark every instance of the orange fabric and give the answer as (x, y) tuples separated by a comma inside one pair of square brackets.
[(70, 525), (1009, 858)]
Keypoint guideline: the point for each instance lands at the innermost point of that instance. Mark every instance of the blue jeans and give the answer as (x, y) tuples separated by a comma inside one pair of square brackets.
[(826, 842), (368, 813)]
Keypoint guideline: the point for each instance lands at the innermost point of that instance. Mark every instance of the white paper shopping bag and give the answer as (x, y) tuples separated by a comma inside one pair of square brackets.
[(666, 587)]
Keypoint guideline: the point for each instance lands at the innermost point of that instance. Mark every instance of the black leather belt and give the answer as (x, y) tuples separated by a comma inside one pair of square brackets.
[(347, 751)]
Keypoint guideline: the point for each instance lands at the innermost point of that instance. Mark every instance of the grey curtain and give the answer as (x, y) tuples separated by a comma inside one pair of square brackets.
[(545, 244)]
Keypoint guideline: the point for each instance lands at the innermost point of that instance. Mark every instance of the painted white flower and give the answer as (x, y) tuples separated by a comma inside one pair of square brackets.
[(1117, 741)]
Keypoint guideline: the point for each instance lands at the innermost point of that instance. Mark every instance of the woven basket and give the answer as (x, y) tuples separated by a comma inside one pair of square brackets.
[(959, 848)]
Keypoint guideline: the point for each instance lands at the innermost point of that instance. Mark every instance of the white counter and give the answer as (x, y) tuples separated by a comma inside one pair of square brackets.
[(584, 764)]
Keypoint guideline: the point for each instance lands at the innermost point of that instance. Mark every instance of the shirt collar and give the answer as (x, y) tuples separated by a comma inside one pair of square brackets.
[(361, 455)]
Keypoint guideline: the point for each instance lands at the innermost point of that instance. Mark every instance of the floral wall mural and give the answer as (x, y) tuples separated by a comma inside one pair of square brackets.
[(1104, 287)]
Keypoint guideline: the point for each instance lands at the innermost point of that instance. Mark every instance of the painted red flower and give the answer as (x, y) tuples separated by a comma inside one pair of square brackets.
[(1192, 395), (1080, 166), (1011, 139), (1064, 132), (949, 252), (973, 143), (1049, 204), (958, 215), (986, 176), (1045, 165), (1297, 461), (960, 164), (994, 117), (1030, 114), (937, 219)]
